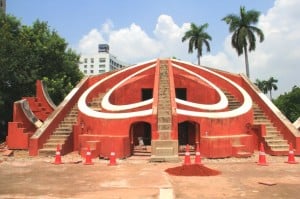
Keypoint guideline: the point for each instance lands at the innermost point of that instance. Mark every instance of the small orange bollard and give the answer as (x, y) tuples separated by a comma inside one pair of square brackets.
[(57, 156), (112, 159), (262, 156), (198, 156), (187, 157), (88, 157), (291, 156)]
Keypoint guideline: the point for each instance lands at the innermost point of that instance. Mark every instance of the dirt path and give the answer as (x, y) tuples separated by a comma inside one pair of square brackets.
[(136, 178)]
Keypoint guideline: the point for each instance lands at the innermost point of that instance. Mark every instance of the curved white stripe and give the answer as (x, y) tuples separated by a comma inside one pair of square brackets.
[(82, 106), (245, 107), (108, 106), (223, 102)]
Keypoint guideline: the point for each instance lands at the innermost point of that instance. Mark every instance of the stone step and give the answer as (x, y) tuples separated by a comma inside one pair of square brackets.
[(258, 112), (72, 115), (165, 119), (272, 132), (272, 136), (164, 96), (65, 125), (51, 145), (263, 121), (234, 102), (276, 142), (164, 102), (57, 140), (70, 120), (47, 152), (164, 126), (271, 128), (164, 112), (63, 130), (59, 136), (259, 117), (163, 107), (279, 147), (164, 134)]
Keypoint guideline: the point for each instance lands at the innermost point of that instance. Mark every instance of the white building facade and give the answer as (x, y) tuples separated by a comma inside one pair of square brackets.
[(100, 63)]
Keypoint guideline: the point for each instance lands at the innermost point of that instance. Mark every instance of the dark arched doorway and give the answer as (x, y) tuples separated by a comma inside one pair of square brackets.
[(188, 133), (140, 138)]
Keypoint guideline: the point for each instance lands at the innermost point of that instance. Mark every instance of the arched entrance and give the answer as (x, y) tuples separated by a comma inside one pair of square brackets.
[(188, 133), (140, 138)]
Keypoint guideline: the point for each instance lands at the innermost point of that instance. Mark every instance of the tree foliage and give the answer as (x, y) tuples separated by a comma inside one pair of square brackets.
[(271, 85), (197, 38), (261, 84), (29, 53), (267, 85), (289, 103), (243, 37)]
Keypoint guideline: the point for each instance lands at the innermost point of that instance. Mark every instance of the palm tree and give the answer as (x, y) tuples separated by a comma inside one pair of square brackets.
[(270, 85), (197, 37), (261, 85), (243, 36)]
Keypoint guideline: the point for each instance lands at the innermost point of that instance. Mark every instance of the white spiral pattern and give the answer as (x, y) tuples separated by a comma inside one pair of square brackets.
[(221, 104)]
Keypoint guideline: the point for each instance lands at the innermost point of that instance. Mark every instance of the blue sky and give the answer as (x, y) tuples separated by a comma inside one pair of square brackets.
[(139, 30), (75, 18)]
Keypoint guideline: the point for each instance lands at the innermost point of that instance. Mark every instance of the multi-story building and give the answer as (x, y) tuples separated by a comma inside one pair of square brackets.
[(101, 62)]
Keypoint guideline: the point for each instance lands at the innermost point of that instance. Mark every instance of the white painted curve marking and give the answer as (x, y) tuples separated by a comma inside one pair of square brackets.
[(85, 109), (108, 106), (223, 102), (245, 107)]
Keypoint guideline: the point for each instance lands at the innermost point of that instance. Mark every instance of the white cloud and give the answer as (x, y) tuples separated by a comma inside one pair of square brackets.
[(88, 44), (169, 35), (280, 50), (278, 56), (132, 44)]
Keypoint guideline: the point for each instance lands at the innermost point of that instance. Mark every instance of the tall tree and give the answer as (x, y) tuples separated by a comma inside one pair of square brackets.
[(289, 103), (243, 37), (197, 37), (261, 84), (270, 84), (29, 53)]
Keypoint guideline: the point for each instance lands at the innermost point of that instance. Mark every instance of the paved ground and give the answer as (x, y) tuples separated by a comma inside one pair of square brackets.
[(136, 178)]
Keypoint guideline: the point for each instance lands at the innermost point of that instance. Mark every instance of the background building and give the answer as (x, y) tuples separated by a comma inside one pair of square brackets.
[(101, 62)]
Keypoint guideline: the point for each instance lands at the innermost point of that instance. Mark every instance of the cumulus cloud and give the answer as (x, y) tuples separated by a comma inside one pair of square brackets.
[(278, 56), (132, 44), (279, 52), (87, 43), (169, 35)]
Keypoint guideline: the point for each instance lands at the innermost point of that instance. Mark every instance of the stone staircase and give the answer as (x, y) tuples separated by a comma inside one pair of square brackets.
[(164, 149), (273, 137), (164, 104), (233, 103), (60, 134), (237, 148), (95, 104)]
